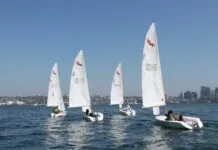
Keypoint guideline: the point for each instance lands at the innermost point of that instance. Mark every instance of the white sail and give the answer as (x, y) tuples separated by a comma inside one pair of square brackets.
[(79, 92), (156, 111), (117, 87), (54, 91), (152, 82)]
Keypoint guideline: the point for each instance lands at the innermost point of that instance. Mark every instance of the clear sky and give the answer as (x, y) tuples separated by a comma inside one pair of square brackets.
[(35, 34)]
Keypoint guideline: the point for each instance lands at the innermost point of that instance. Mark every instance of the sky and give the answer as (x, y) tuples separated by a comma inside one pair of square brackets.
[(36, 34)]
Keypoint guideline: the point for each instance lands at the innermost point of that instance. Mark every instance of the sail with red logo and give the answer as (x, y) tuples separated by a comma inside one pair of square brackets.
[(152, 84), (117, 87), (116, 96), (79, 90), (55, 98)]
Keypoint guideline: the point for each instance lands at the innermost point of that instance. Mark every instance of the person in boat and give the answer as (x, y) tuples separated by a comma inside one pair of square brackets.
[(87, 112), (56, 110), (91, 113), (169, 116), (127, 108), (172, 117), (180, 118)]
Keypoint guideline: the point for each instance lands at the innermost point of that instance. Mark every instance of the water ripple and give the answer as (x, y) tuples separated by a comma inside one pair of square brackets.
[(27, 127)]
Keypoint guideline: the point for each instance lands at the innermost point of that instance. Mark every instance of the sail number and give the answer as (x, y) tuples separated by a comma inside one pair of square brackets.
[(117, 84), (79, 80), (151, 67)]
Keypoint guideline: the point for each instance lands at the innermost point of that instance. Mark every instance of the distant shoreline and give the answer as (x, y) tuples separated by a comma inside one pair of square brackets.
[(41, 100)]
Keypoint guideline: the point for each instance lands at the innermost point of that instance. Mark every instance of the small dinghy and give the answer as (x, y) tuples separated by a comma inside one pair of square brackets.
[(79, 91), (93, 116), (152, 85), (117, 93), (187, 123), (61, 114), (55, 98), (128, 111)]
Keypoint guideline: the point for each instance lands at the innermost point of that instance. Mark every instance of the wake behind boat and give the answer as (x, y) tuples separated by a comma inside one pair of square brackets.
[(55, 98), (79, 91), (152, 85), (117, 92)]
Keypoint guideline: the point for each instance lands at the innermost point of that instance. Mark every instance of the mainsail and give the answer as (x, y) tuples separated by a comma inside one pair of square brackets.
[(79, 92), (54, 91), (152, 82), (117, 87)]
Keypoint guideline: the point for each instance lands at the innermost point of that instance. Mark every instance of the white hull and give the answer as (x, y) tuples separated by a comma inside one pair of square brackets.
[(127, 112), (189, 123), (62, 114), (99, 117)]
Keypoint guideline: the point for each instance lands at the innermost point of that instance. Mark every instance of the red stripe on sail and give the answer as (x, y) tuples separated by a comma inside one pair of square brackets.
[(78, 63), (150, 42)]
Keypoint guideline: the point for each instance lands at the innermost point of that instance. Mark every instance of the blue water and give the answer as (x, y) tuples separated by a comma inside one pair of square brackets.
[(29, 127)]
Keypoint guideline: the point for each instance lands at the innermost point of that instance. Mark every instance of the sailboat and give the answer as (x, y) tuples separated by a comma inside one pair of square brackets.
[(152, 85), (117, 92), (55, 98), (79, 91)]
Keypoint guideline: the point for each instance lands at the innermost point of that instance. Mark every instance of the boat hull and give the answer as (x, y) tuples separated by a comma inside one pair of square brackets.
[(127, 112), (62, 114), (189, 123), (98, 117)]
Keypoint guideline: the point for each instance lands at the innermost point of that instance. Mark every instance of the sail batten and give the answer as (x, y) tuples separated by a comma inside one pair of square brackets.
[(79, 92), (152, 82)]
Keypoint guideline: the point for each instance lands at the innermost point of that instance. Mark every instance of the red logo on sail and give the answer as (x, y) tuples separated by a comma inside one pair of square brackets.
[(118, 73), (78, 63), (54, 72), (150, 42)]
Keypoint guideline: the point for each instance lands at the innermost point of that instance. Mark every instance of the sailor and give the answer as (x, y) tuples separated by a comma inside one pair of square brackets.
[(172, 117), (90, 114), (180, 118), (169, 116), (87, 112), (56, 110)]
